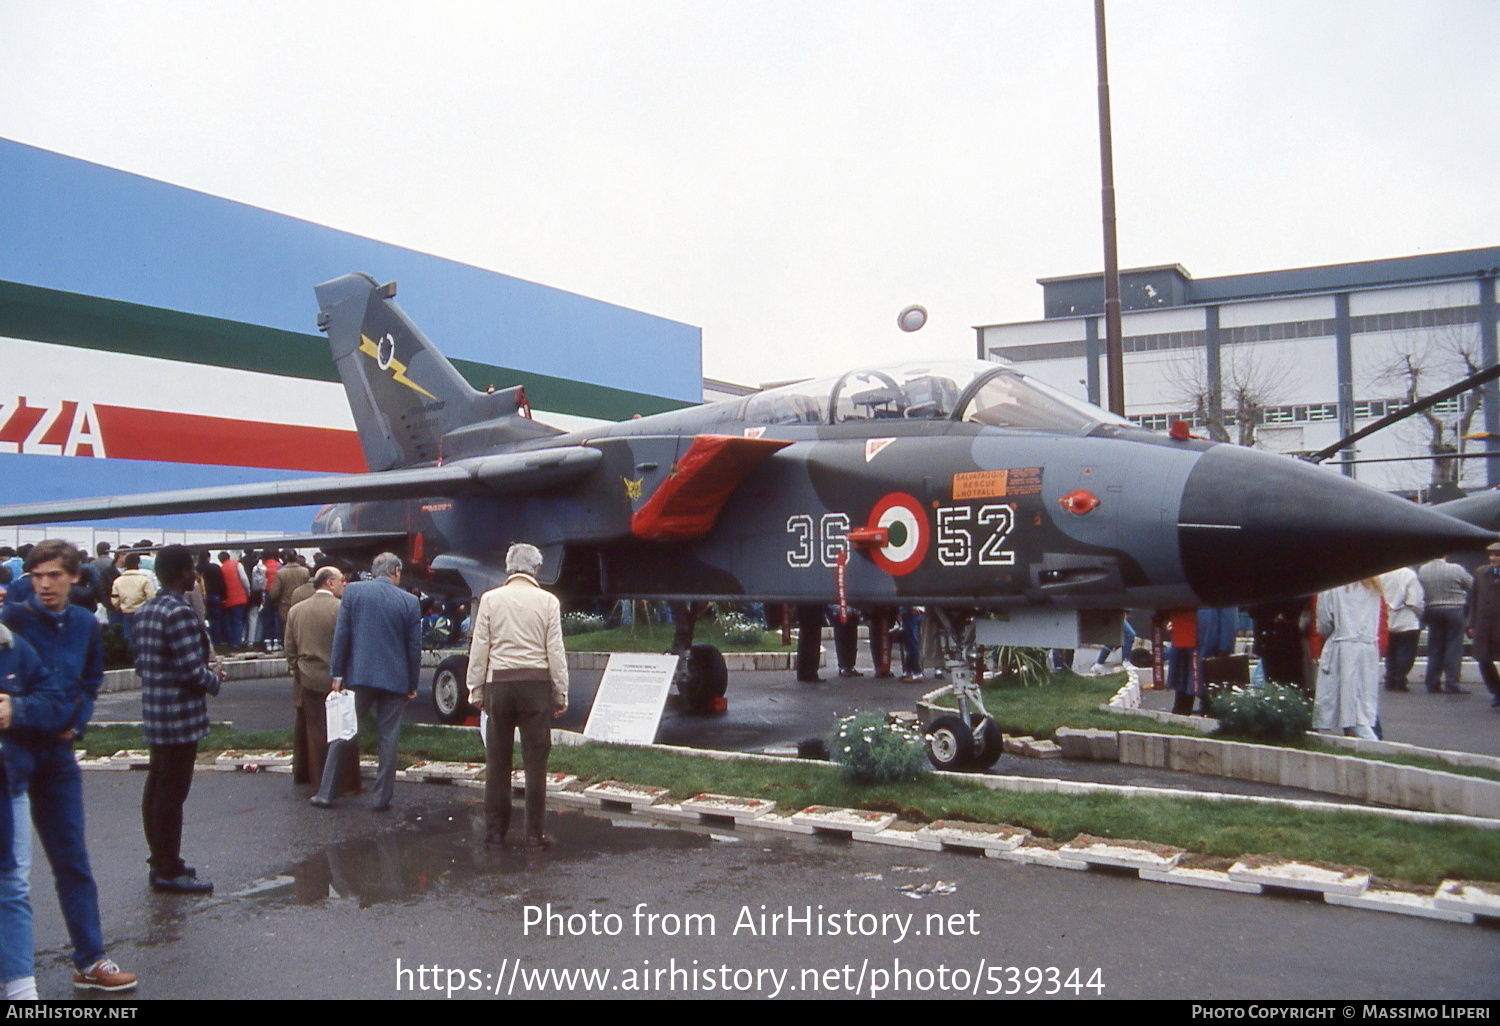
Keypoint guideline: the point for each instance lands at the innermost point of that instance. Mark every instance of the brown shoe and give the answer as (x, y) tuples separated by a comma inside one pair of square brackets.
[(538, 842), (103, 975)]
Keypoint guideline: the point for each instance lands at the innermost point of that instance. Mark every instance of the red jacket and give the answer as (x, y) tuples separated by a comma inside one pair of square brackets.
[(234, 587)]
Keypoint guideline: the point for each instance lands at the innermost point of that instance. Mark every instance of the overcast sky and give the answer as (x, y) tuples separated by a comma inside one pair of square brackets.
[(789, 175)]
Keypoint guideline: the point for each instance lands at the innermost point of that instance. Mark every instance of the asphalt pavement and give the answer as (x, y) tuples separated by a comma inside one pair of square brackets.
[(355, 904)]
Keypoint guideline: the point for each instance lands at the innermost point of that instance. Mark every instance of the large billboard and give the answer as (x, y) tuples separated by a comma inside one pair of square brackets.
[(153, 337)]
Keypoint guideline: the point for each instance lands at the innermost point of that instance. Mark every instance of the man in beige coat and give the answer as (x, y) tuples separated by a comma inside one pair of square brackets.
[(518, 673), (309, 640), (288, 579)]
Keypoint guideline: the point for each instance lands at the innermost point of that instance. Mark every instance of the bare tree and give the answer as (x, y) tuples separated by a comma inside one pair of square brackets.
[(1252, 382), (1422, 364), (1249, 382)]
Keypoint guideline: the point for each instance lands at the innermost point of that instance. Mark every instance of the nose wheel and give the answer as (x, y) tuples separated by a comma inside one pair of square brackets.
[(956, 745), (966, 738)]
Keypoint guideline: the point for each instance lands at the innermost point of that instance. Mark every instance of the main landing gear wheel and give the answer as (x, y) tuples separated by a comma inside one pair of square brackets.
[(952, 743), (450, 690), (704, 679)]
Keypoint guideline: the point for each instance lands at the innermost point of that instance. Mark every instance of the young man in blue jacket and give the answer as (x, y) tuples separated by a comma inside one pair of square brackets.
[(33, 708), (66, 639)]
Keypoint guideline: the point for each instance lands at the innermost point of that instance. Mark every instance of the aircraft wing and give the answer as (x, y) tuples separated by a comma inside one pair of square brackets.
[(327, 541), (504, 474)]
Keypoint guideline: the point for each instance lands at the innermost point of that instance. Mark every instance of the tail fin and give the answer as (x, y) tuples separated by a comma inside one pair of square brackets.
[(404, 394)]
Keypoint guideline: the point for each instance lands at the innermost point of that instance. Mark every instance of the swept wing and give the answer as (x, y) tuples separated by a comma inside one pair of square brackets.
[(503, 474)]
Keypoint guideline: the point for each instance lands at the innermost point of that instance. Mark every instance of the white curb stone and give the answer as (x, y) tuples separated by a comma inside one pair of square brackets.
[(902, 835), (619, 792), (1465, 896), (245, 760), (1401, 903), (728, 806), (1089, 743), (443, 772), (666, 810), (1036, 855), (776, 821), (1298, 876), (985, 837), (555, 781), (102, 762), (1124, 855), (574, 798), (1015, 745), (1212, 879), (847, 821), (132, 758)]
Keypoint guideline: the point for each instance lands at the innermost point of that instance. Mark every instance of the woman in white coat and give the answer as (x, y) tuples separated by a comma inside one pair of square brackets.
[(1349, 670)]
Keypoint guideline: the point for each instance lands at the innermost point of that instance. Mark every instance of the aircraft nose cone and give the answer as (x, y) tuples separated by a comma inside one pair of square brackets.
[(1254, 526)]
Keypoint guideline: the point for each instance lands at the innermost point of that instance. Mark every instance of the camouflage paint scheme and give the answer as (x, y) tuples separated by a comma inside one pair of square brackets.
[(981, 507), (985, 489)]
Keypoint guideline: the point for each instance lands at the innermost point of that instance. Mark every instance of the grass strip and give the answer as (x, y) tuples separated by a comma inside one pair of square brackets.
[(1418, 853), (657, 637), (1068, 700)]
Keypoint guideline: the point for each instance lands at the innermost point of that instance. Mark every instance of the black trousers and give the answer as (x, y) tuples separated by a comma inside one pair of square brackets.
[(525, 705), (809, 642), (168, 780)]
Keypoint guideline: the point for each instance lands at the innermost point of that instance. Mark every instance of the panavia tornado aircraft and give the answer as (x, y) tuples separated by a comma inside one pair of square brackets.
[(963, 486)]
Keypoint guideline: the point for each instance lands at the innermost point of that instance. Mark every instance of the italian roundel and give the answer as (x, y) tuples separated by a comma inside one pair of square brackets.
[(906, 528)]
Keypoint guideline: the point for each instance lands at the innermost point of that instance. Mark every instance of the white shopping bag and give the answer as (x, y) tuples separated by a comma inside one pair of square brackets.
[(338, 707)]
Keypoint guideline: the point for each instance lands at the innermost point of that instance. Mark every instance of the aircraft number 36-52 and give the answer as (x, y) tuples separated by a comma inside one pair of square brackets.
[(966, 535)]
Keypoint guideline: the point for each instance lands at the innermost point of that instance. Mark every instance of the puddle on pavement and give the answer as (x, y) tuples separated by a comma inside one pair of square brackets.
[(444, 850)]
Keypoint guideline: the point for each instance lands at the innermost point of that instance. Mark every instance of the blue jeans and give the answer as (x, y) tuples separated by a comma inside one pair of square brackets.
[(57, 813), (1400, 655), (270, 624), (911, 647), (214, 606), (234, 626), (15, 899), (1128, 635)]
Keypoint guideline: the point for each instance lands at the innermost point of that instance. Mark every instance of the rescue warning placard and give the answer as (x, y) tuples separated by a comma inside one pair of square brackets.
[(997, 484), (631, 697)]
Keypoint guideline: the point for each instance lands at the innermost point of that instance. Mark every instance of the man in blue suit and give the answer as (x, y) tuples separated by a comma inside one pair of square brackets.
[(377, 651)]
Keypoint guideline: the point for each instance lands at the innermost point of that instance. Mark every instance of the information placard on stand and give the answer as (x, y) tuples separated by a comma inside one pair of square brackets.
[(631, 697)]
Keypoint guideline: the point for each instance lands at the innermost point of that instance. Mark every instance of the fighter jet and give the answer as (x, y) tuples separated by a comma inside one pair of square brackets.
[(959, 485)]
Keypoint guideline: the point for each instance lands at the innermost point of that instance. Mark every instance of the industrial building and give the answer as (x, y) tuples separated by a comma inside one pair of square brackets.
[(1289, 360), (154, 337)]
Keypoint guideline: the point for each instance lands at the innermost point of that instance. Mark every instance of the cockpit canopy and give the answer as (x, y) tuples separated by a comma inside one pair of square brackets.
[(970, 390)]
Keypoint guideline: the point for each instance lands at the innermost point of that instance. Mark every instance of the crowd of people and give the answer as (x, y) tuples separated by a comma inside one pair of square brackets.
[(176, 607), (906, 628), (1345, 644)]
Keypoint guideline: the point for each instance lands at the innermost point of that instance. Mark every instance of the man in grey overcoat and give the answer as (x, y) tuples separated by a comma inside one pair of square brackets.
[(377, 651)]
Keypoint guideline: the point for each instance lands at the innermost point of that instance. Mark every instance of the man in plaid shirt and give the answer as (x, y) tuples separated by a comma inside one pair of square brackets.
[(177, 670)]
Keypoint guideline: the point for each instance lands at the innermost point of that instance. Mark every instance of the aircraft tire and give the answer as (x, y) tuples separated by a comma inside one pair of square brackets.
[(952, 744), (706, 679), (988, 744), (450, 692)]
